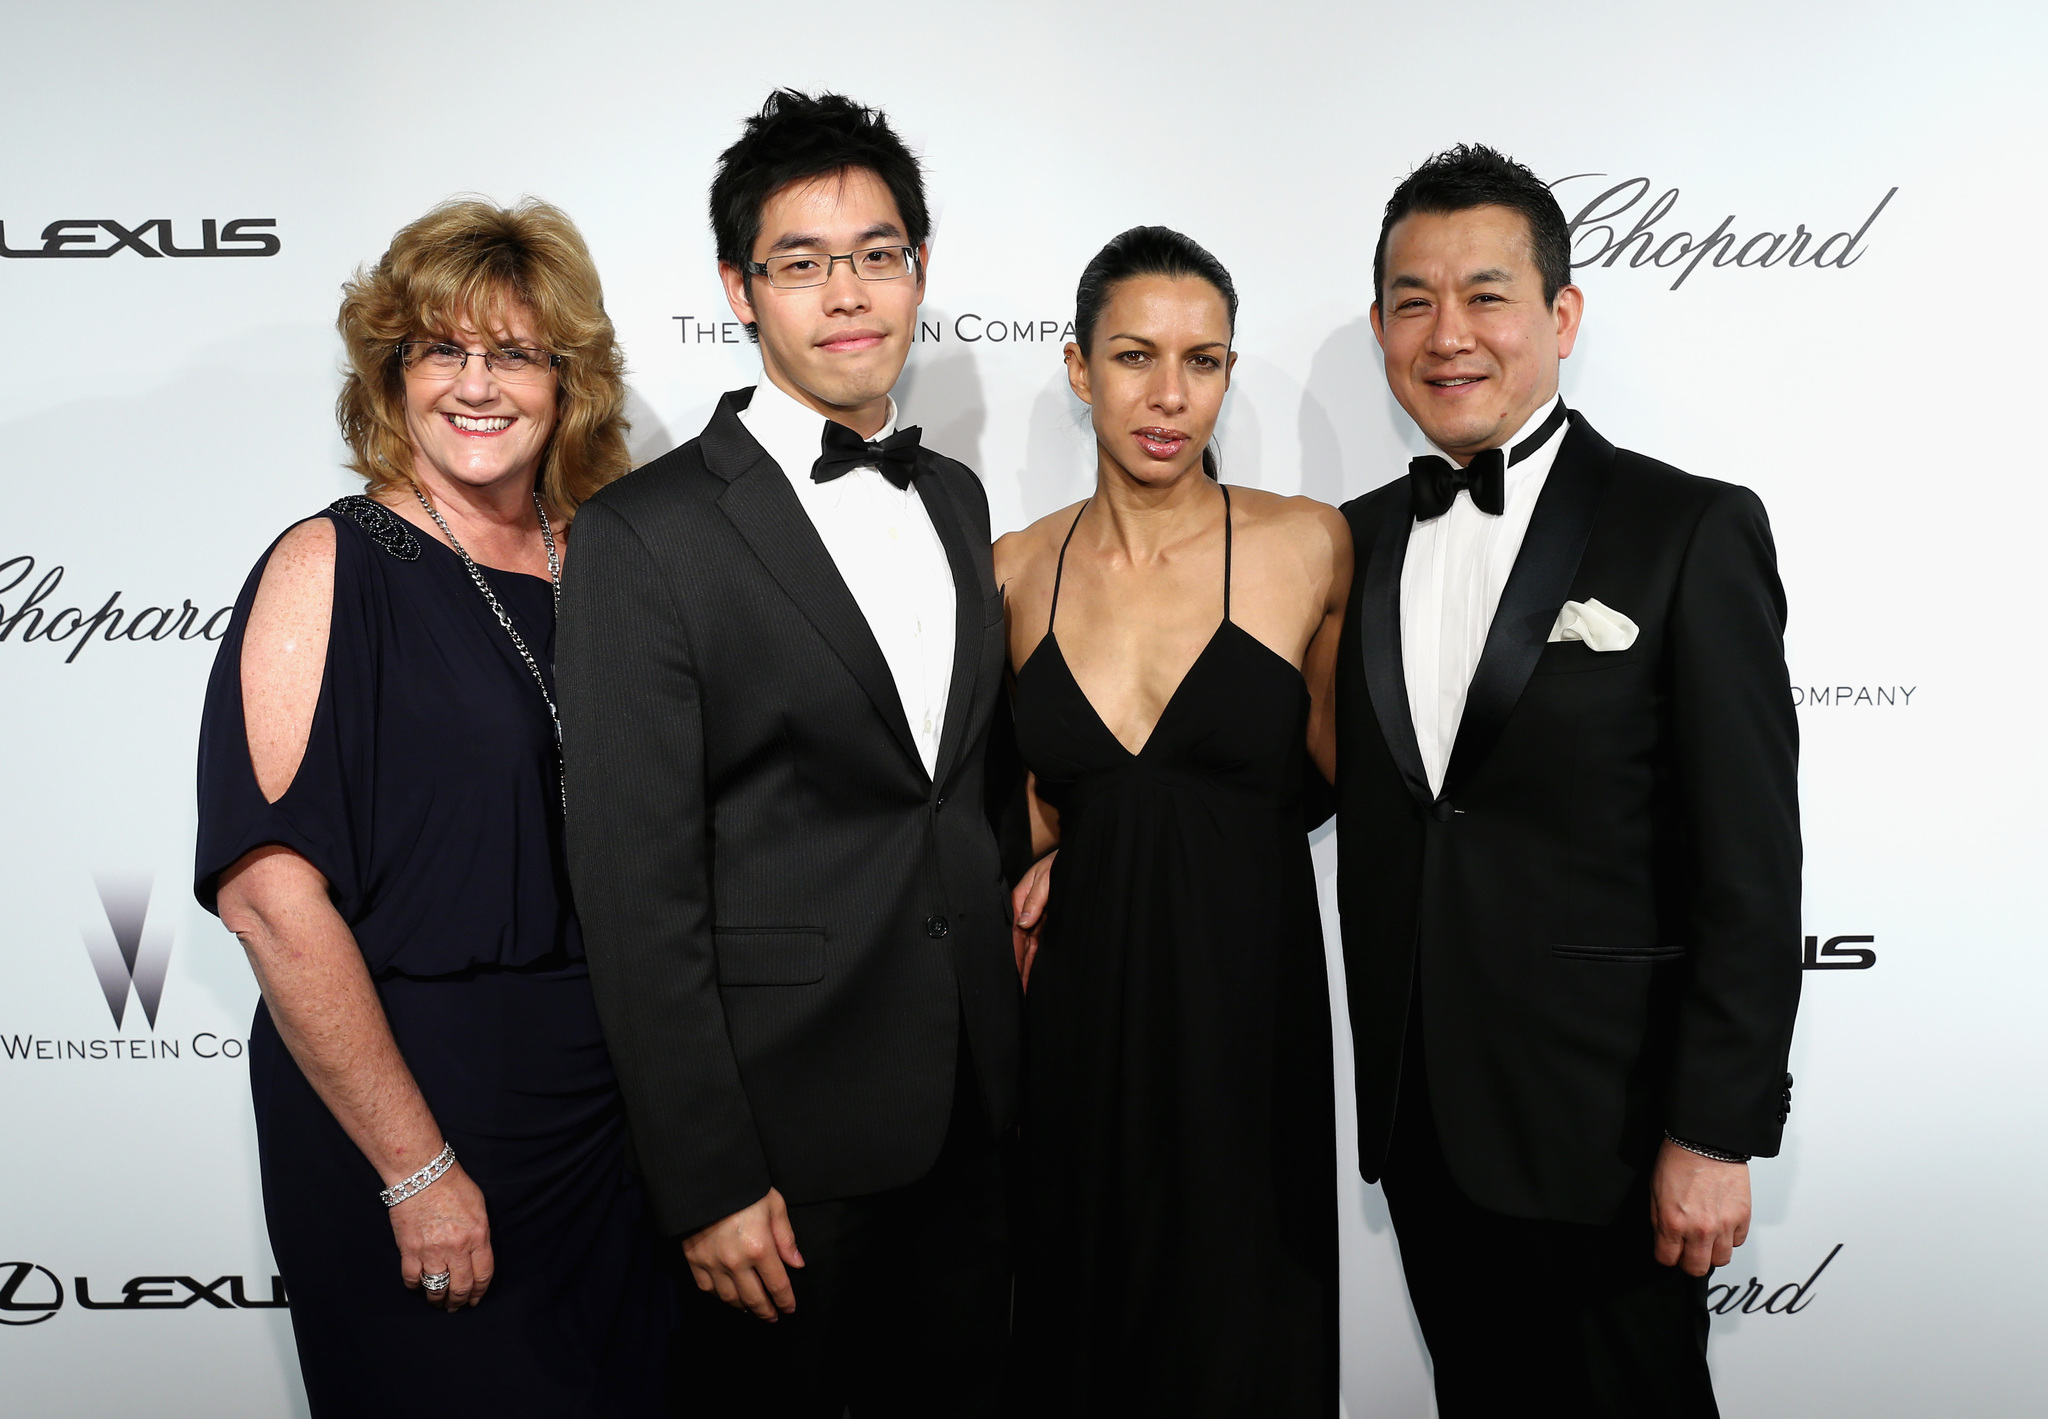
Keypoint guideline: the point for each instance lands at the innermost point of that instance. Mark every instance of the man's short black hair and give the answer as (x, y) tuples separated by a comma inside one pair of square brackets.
[(1474, 175), (795, 137)]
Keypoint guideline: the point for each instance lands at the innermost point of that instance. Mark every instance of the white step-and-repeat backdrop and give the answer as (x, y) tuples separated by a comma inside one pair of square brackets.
[(185, 187)]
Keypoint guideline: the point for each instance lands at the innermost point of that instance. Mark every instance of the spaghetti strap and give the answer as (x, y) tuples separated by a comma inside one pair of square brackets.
[(1061, 571), (1226, 552)]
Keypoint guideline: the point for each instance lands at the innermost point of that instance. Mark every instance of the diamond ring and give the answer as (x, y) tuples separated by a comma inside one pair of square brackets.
[(437, 1282)]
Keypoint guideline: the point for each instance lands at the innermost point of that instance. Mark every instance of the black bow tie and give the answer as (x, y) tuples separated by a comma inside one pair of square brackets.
[(1434, 481), (846, 450)]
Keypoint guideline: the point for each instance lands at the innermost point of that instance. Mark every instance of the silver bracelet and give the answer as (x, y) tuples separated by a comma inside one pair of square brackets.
[(1714, 1153), (421, 1180)]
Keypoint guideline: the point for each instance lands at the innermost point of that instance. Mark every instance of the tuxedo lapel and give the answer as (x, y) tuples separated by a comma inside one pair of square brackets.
[(761, 505), (973, 584), (1379, 641), (1537, 587)]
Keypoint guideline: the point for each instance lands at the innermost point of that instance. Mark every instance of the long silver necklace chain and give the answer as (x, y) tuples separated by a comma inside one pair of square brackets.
[(547, 534)]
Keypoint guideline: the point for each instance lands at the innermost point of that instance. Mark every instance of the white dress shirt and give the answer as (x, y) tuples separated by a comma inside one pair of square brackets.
[(1450, 587), (882, 540)]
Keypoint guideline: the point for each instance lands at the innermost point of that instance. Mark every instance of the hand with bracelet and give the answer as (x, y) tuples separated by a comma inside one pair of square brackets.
[(443, 1233), (326, 1009)]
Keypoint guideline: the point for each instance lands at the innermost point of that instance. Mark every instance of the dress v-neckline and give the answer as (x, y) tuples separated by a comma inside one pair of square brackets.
[(1052, 625), (1164, 710)]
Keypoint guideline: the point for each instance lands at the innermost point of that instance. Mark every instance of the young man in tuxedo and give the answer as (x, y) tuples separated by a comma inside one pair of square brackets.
[(1568, 836), (781, 646)]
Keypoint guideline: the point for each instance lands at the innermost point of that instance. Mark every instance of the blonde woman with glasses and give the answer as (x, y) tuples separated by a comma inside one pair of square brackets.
[(380, 823)]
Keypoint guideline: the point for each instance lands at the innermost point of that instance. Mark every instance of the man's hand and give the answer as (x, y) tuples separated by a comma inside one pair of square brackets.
[(742, 1258), (1027, 913), (1699, 1209)]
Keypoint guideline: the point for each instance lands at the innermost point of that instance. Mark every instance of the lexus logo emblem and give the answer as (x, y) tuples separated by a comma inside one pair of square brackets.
[(128, 949), (31, 1294), (17, 1308), (244, 236)]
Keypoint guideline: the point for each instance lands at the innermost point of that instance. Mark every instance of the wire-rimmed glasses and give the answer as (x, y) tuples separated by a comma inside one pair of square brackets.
[(797, 269), (437, 359)]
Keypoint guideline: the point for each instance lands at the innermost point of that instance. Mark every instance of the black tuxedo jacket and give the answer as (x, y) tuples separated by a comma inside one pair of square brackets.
[(1598, 918), (787, 919)]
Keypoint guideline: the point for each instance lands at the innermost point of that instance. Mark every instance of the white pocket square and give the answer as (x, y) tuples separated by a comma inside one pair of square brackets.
[(1601, 627)]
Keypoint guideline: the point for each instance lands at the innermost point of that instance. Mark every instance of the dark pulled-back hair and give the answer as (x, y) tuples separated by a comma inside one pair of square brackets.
[(796, 137), (1474, 175), (1147, 251)]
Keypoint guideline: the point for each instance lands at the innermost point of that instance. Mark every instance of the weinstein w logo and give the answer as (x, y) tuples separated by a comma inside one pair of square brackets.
[(128, 949)]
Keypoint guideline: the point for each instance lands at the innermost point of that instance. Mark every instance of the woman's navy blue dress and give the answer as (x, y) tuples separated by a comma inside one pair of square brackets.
[(429, 798)]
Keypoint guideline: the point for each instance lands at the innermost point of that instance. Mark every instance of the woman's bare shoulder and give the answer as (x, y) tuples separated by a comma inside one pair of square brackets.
[(1022, 553), (299, 576), (1301, 521), (284, 652)]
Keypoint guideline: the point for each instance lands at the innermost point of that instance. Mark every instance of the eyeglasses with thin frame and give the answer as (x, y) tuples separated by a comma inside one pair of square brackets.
[(514, 364), (795, 270)]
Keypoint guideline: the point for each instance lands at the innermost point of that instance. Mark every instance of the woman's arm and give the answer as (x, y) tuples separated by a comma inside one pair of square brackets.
[(1045, 820), (306, 961), (1029, 896), (1319, 664), (1018, 560)]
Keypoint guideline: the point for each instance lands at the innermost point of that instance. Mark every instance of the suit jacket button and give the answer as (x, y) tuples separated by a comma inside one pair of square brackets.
[(1442, 810), (935, 927)]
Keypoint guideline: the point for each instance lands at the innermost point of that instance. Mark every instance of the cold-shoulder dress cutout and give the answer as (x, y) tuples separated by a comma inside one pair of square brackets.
[(1179, 1126)]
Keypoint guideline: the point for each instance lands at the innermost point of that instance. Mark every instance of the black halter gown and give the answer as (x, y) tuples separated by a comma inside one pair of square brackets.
[(1179, 1127)]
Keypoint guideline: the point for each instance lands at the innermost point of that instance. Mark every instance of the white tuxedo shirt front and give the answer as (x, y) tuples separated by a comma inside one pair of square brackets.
[(1457, 566), (882, 541)]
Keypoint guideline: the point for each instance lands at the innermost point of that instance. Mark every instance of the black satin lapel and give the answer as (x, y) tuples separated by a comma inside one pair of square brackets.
[(1379, 642), (1536, 589), (973, 583), (765, 509)]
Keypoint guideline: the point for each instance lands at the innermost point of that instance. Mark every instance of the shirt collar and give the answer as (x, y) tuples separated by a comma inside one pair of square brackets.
[(793, 433)]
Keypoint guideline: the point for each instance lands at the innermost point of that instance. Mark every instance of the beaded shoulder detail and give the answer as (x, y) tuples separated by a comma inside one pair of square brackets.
[(386, 529)]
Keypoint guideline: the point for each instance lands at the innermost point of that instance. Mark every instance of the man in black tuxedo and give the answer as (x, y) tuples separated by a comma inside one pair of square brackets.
[(781, 646), (1568, 836)]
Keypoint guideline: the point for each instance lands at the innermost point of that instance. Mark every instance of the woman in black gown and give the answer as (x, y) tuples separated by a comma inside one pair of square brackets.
[(1173, 642), (381, 824)]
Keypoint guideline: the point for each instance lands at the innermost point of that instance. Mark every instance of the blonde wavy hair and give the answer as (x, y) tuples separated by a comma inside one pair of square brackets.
[(460, 267)]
